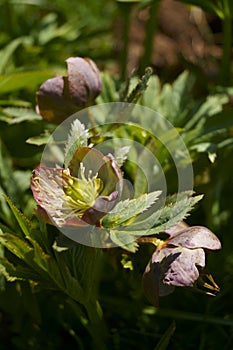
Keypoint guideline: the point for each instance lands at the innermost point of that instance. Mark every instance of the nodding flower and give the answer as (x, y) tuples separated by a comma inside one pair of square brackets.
[(62, 96), (179, 261)]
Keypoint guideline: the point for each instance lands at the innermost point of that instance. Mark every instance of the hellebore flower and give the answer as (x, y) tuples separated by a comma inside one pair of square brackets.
[(179, 261), (60, 97), (80, 194)]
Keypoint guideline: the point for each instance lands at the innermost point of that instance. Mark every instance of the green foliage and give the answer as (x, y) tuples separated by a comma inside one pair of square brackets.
[(49, 285), (126, 210), (77, 138)]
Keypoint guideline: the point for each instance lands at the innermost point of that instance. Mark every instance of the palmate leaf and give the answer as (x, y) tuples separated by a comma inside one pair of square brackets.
[(176, 209), (150, 223), (27, 247), (40, 267), (128, 209)]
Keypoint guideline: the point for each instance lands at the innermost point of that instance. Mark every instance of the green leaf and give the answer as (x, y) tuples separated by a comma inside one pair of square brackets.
[(109, 91), (17, 246), (165, 339), (128, 209), (208, 6), (54, 273), (13, 115), (23, 222), (7, 51), (39, 140), (172, 101), (124, 240), (78, 137), (23, 80), (211, 106), (19, 272), (121, 154), (177, 208)]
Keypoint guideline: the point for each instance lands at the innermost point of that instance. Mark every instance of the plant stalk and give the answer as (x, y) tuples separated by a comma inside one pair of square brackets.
[(225, 67), (150, 30)]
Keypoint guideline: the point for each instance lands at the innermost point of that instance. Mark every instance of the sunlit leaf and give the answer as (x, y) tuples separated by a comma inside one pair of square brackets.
[(23, 80), (128, 209)]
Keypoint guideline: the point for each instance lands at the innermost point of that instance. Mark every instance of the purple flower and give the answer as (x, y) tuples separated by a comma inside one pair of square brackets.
[(80, 194), (179, 261), (60, 97)]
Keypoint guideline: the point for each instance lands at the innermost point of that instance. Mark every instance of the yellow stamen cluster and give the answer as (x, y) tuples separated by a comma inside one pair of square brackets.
[(81, 192)]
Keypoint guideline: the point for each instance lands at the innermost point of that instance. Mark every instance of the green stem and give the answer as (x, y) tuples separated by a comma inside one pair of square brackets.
[(90, 315), (227, 44), (151, 27), (90, 263), (125, 10), (96, 326)]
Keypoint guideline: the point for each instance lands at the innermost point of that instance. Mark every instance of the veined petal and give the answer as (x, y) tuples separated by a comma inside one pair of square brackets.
[(47, 187), (194, 237)]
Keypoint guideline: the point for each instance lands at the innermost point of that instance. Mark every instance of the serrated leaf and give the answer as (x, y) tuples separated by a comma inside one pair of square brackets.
[(78, 137), (121, 154), (14, 115), (169, 215), (17, 246), (22, 220), (128, 209), (124, 240)]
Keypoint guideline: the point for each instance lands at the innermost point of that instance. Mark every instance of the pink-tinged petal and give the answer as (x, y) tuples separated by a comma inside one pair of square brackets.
[(47, 186), (195, 237), (83, 79)]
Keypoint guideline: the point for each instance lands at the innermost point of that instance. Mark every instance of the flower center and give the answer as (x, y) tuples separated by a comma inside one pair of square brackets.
[(81, 192)]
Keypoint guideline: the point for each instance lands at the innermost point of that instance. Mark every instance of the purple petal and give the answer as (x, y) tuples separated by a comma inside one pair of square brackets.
[(178, 266), (195, 237), (53, 103)]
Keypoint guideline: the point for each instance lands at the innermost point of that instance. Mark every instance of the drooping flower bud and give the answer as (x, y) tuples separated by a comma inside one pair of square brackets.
[(60, 97)]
